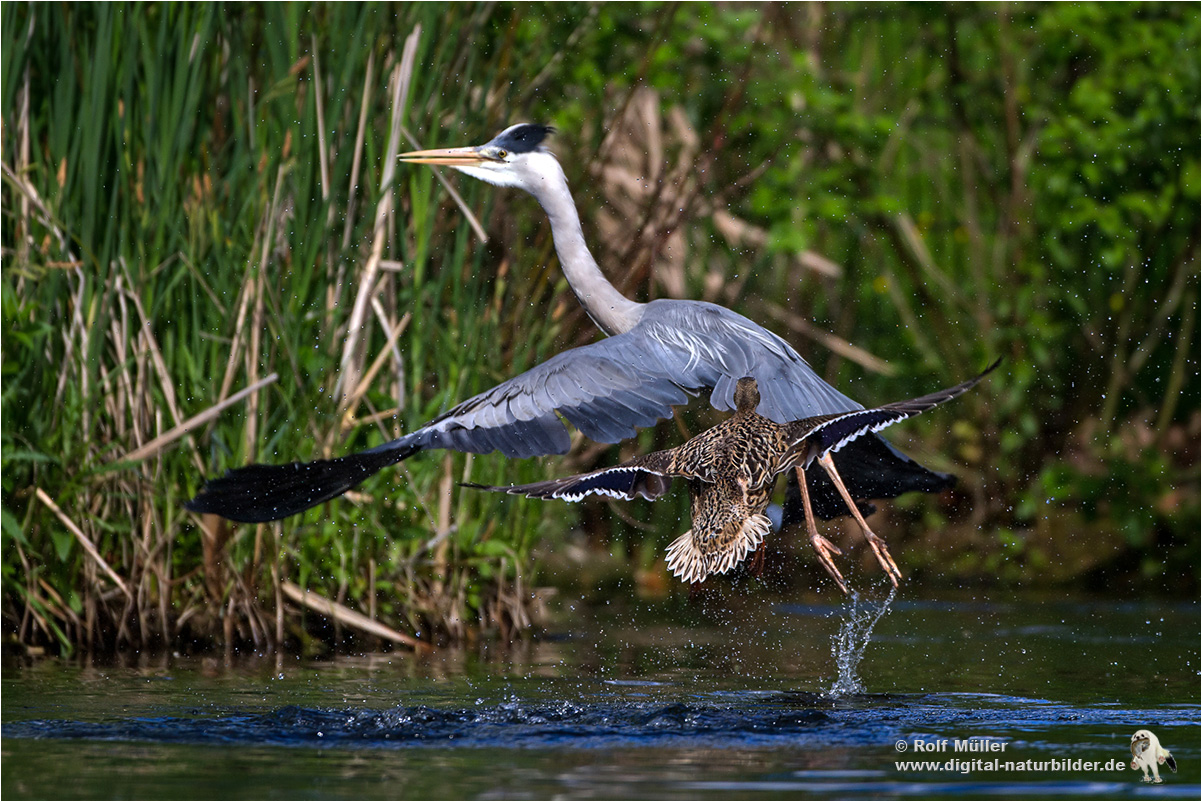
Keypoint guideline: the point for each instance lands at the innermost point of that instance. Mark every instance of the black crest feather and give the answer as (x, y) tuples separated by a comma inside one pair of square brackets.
[(522, 138)]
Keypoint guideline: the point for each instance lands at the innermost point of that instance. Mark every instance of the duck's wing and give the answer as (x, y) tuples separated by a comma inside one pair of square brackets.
[(647, 476), (814, 436)]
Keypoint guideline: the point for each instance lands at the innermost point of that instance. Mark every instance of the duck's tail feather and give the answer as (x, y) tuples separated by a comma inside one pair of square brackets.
[(750, 533), (685, 560)]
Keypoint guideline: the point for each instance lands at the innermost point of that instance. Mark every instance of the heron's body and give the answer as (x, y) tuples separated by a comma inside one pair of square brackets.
[(731, 470), (657, 355)]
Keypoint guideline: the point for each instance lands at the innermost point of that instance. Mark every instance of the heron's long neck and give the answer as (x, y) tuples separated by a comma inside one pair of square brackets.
[(613, 312)]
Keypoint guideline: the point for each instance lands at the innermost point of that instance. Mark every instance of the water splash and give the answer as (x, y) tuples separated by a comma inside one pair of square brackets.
[(849, 643)]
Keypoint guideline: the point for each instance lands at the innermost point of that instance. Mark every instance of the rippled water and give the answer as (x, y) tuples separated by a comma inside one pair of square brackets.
[(728, 698)]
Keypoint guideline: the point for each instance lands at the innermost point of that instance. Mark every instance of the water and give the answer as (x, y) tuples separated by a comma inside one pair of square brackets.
[(851, 642), (732, 697)]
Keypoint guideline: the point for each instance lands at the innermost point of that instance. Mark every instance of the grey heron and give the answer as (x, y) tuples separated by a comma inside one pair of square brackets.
[(731, 470), (657, 354)]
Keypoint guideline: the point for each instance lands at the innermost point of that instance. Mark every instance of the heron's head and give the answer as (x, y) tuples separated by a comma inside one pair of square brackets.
[(747, 395), (515, 157)]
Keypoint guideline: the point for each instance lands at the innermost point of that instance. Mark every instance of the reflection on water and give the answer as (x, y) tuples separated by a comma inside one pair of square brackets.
[(849, 644), (603, 720), (718, 699)]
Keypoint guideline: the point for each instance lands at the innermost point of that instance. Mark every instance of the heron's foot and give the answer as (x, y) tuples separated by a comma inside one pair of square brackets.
[(825, 551), (882, 556)]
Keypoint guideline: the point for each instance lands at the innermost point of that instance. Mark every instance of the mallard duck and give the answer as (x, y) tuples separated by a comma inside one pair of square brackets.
[(731, 470)]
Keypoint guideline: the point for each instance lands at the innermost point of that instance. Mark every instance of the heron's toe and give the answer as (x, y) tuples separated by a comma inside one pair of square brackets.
[(884, 558), (825, 551)]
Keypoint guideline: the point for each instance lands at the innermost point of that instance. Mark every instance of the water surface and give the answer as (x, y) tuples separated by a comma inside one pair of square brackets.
[(728, 697)]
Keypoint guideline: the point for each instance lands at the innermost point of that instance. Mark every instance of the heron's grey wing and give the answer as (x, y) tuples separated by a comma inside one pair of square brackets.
[(647, 476), (605, 389), (705, 345), (820, 434), (609, 388), (612, 387)]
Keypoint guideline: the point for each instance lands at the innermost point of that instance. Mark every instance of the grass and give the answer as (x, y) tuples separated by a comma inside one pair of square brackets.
[(211, 258), (207, 237)]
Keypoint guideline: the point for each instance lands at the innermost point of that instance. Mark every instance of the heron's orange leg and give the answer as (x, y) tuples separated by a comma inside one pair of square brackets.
[(823, 547), (878, 545)]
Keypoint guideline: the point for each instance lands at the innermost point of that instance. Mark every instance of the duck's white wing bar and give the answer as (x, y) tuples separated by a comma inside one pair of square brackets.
[(647, 477), (813, 437)]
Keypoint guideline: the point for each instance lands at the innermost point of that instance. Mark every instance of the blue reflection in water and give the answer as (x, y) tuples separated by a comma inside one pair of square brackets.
[(742, 720)]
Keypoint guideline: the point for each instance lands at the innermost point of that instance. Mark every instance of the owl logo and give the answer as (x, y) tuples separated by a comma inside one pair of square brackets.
[(1147, 753)]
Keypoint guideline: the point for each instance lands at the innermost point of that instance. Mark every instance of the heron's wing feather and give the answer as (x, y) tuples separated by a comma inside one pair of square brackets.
[(612, 387), (258, 493), (605, 389), (706, 345), (609, 388)]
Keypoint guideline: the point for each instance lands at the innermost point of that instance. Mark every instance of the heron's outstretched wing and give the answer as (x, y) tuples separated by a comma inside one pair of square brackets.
[(817, 435), (606, 389), (647, 475)]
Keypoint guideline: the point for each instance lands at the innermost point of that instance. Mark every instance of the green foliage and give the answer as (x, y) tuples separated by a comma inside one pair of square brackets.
[(183, 245)]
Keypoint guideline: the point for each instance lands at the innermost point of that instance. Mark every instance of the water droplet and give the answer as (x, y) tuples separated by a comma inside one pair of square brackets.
[(848, 645)]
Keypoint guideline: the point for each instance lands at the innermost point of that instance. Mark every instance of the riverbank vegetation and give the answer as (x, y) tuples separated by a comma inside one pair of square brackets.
[(211, 257)]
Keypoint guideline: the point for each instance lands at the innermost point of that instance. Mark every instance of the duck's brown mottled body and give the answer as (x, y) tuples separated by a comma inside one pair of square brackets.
[(731, 470)]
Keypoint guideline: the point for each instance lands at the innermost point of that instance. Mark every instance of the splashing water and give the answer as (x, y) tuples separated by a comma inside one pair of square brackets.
[(849, 643)]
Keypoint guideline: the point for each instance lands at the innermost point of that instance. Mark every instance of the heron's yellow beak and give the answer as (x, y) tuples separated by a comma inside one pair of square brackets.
[(448, 156)]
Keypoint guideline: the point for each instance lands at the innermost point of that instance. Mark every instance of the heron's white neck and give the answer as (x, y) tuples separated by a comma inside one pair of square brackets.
[(613, 312)]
